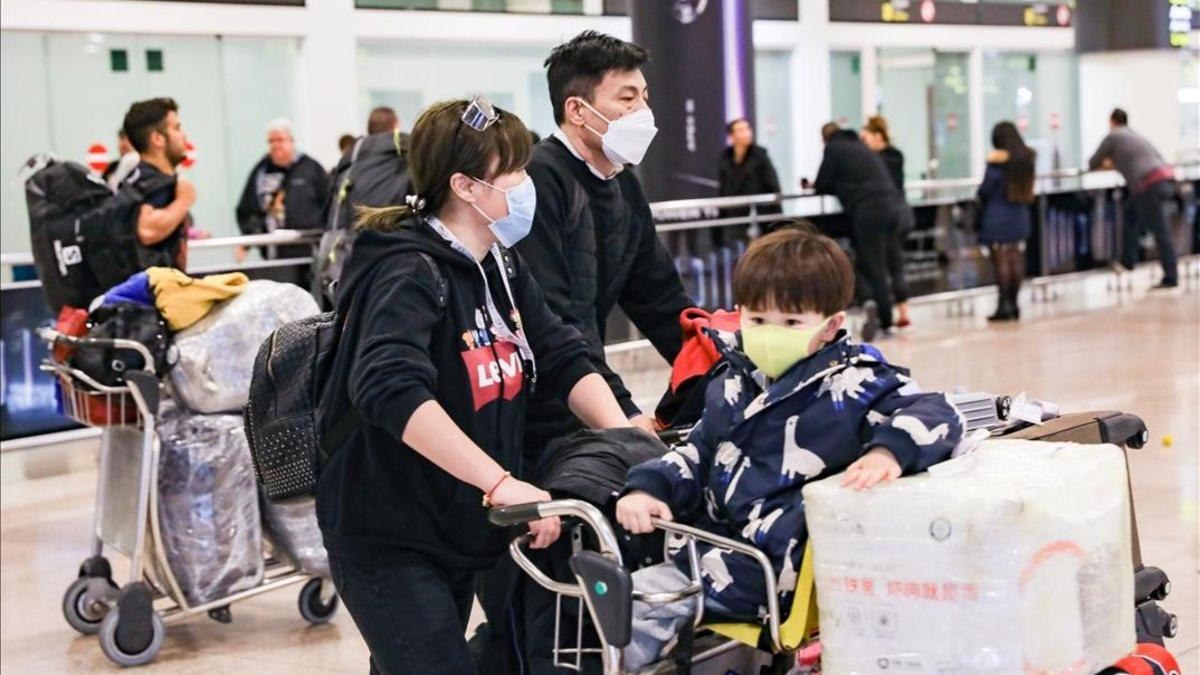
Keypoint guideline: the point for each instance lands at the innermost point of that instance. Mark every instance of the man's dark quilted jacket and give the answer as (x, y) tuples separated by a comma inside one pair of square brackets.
[(593, 247)]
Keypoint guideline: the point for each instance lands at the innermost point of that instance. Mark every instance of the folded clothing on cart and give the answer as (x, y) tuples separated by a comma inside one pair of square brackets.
[(216, 354), (184, 300), (208, 506)]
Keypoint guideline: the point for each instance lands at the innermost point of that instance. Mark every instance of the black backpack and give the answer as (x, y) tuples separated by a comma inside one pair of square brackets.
[(282, 412), (125, 321), (84, 237), (373, 173)]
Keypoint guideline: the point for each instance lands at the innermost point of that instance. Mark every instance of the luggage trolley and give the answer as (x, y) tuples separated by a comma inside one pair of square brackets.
[(603, 583), (129, 624)]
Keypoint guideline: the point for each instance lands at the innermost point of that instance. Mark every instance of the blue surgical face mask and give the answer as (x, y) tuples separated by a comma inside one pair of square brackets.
[(522, 202)]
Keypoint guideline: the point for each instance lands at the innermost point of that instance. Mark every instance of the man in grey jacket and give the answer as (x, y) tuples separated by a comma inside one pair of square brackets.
[(1151, 182)]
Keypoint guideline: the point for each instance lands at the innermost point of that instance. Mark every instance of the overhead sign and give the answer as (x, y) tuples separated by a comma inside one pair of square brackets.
[(984, 13), (1117, 25), (189, 157), (1179, 23)]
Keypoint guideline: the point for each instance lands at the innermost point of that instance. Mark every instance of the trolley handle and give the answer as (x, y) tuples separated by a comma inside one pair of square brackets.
[(675, 435), (55, 337)]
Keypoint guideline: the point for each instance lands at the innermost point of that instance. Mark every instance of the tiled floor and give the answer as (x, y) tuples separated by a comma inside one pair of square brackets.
[(1088, 350)]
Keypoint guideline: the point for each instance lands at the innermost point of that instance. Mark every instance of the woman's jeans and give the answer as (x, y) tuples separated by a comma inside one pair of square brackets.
[(412, 614)]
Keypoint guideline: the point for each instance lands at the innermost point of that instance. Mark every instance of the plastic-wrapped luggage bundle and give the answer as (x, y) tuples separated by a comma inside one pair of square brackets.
[(1015, 558), (216, 355), (292, 527), (208, 506)]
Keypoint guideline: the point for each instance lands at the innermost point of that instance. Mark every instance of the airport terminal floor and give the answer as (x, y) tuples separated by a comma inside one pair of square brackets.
[(1089, 349)]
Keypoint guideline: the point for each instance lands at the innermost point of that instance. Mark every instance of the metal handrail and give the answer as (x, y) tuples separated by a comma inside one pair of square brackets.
[(1104, 180), (276, 238), (1183, 170)]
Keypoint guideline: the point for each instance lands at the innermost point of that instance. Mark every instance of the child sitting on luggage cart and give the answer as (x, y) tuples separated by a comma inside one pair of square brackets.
[(797, 401)]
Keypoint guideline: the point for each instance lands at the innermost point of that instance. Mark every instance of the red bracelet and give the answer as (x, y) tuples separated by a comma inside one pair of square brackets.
[(487, 497)]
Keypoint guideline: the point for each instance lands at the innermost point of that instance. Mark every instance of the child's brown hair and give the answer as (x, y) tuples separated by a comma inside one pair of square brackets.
[(795, 269)]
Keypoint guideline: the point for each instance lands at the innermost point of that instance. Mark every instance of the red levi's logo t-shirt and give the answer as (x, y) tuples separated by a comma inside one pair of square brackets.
[(494, 370)]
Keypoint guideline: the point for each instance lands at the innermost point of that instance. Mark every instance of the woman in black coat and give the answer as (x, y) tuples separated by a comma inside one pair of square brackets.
[(1006, 194)]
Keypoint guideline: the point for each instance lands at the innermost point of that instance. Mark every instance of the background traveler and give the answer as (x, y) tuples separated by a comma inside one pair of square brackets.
[(875, 134), (1006, 195), (1151, 182), (153, 128), (286, 189), (872, 204)]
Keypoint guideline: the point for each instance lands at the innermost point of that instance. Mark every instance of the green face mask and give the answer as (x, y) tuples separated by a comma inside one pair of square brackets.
[(775, 349)]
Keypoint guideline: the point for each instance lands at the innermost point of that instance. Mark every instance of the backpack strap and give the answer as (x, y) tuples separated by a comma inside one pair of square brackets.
[(443, 290)]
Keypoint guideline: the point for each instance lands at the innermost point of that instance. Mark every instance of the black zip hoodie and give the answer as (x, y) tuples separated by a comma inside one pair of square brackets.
[(400, 347)]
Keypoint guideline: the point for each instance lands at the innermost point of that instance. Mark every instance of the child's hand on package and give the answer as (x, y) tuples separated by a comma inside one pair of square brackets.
[(877, 466), (635, 510)]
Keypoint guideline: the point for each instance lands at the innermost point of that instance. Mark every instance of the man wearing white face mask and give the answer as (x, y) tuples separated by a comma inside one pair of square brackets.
[(593, 246)]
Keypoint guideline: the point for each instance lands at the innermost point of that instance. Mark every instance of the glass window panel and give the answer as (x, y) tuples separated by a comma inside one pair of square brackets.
[(773, 107), (1038, 92), (845, 81)]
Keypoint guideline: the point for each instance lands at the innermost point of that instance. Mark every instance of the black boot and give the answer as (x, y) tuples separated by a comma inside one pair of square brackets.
[(1004, 309), (1014, 302)]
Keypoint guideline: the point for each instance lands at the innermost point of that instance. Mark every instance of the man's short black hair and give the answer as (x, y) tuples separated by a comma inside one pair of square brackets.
[(733, 123), (146, 117), (382, 119), (575, 68), (1119, 117)]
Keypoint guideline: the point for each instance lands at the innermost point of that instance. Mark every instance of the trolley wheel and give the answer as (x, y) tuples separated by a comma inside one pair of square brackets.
[(312, 608), (1133, 665), (780, 664), (1159, 658), (87, 601), (1138, 440), (127, 657)]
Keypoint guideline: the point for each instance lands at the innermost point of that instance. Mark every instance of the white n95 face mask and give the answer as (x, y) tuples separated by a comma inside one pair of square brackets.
[(628, 137)]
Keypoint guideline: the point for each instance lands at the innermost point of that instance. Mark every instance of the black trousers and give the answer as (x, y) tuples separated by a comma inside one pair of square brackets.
[(412, 614), (1145, 213), (895, 265), (874, 229)]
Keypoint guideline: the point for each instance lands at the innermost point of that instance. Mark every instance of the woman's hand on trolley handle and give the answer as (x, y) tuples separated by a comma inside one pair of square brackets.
[(512, 491), (432, 433)]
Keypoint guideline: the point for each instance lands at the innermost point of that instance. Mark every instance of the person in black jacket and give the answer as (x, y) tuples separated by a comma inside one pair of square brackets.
[(593, 245), (373, 172), (871, 202), (285, 190), (444, 335), (153, 128), (875, 134), (744, 168)]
